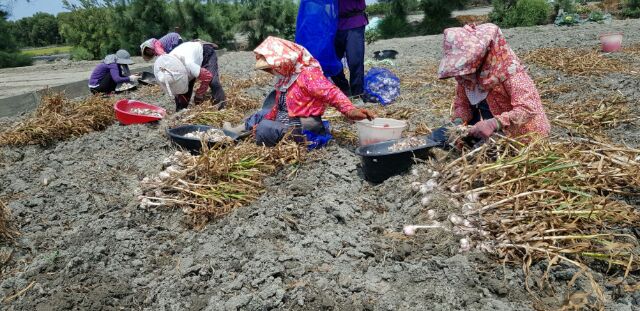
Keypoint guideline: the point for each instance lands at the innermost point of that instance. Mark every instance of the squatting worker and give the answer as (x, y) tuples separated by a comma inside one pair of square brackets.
[(349, 42), (156, 47), (178, 71), (113, 70), (302, 94), (494, 91)]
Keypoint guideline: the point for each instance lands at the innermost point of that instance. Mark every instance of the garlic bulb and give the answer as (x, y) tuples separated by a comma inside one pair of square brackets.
[(435, 174), (455, 219), (473, 197), (425, 201), (164, 176), (409, 230), (468, 207), (431, 214), (415, 186), (465, 245)]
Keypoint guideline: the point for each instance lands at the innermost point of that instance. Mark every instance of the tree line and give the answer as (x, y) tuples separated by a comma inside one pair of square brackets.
[(99, 27)]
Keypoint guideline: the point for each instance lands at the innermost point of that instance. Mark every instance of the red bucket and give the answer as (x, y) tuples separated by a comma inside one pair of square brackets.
[(123, 112), (611, 42)]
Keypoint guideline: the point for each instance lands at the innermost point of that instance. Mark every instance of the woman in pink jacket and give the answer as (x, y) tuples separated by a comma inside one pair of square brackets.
[(494, 91), (302, 94)]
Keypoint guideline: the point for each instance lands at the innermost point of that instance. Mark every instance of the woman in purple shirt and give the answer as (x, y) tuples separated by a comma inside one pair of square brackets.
[(349, 42), (113, 70)]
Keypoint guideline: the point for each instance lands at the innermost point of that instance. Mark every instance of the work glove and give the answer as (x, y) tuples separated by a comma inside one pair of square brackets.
[(205, 78), (485, 128), (134, 78), (198, 99), (360, 114)]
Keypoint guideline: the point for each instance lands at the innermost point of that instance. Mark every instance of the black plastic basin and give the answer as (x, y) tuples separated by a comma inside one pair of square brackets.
[(191, 144), (147, 78), (379, 164), (385, 54)]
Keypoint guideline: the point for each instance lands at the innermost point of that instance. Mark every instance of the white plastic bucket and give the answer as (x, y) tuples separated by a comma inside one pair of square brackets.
[(379, 130)]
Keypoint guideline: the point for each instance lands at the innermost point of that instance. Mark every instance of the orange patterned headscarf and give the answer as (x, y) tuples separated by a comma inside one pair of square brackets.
[(478, 49), (286, 59)]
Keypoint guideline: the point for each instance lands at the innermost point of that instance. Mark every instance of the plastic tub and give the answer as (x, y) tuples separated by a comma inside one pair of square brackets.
[(611, 42), (193, 145), (123, 109), (385, 54), (379, 130), (147, 78), (379, 164)]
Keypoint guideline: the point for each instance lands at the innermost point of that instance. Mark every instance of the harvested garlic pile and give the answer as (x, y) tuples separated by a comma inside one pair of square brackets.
[(407, 143), (212, 135), (175, 167), (146, 112)]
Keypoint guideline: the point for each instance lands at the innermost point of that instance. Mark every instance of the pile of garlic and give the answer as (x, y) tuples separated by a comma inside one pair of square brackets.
[(175, 166), (458, 225)]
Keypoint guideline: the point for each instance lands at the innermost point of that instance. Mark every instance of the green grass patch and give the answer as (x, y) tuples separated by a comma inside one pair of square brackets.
[(50, 50)]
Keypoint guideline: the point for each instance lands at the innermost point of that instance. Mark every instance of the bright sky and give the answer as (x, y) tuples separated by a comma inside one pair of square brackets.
[(22, 8)]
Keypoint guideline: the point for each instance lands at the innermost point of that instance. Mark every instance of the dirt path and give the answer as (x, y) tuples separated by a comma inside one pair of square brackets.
[(16, 81), (320, 238)]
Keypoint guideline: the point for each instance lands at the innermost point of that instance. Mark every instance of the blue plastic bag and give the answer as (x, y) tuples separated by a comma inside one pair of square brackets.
[(382, 85), (316, 29), (318, 141)]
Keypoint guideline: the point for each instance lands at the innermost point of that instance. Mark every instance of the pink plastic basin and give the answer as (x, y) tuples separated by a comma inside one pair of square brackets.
[(611, 42), (123, 112)]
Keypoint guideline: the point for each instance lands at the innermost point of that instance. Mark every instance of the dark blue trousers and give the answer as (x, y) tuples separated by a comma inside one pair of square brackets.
[(350, 43)]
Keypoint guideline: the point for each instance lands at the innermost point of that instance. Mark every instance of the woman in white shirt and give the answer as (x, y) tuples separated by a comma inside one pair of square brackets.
[(178, 71)]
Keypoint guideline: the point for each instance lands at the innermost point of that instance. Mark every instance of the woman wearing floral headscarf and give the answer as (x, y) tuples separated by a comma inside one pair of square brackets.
[(494, 91), (156, 47), (302, 94)]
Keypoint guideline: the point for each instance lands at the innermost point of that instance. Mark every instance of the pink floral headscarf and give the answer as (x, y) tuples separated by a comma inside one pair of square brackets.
[(472, 49), (286, 59)]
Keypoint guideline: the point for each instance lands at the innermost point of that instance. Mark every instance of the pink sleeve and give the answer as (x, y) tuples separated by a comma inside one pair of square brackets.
[(318, 86), (158, 48), (205, 78), (461, 105), (525, 101)]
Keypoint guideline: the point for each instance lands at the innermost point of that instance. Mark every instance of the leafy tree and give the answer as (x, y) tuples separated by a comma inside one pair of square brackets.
[(41, 29), (137, 20), (264, 18), (395, 22), (214, 22), (511, 13), (88, 26), (10, 56), (437, 15)]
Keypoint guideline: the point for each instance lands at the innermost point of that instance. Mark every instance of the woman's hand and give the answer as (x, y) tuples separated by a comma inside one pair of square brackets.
[(360, 114), (485, 128)]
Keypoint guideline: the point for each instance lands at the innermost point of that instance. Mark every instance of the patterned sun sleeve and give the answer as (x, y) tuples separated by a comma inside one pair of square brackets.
[(524, 99), (320, 87), (461, 105)]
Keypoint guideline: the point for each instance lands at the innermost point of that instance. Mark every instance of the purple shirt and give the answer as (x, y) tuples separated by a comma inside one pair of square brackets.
[(170, 41), (103, 69), (355, 21)]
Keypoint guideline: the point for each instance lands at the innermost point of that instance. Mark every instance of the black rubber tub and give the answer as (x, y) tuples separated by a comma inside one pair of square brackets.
[(191, 144), (385, 54), (147, 78), (129, 88), (379, 164)]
